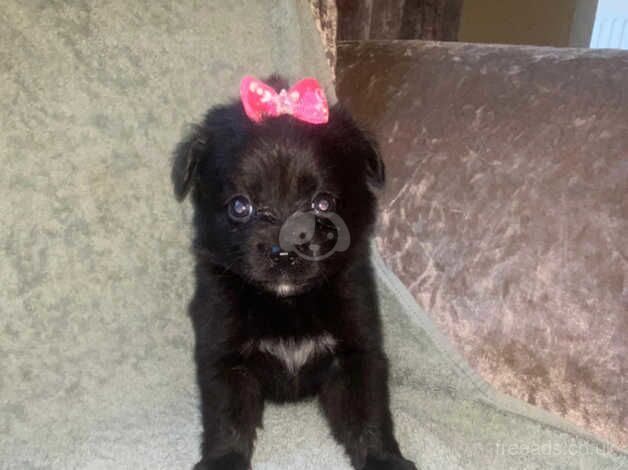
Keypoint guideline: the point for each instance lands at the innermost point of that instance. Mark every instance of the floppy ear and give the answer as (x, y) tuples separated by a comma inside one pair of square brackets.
[(346, 137), (366, 146), (375, 169), (185, 162)]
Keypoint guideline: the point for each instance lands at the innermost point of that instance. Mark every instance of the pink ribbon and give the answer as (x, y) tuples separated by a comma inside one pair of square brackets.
[(304, 101)]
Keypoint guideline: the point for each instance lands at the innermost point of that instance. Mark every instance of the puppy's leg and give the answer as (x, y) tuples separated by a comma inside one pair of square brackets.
[(232, 406), (355, 400)]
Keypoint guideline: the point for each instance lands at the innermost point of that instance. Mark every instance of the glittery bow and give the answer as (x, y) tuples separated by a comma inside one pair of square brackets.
[(304, 101)]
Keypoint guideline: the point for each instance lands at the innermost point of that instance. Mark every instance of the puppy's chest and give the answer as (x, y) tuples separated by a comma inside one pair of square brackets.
[(293, 353)]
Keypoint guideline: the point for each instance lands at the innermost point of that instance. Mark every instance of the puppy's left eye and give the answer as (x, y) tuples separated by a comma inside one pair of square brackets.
[(324, 202)]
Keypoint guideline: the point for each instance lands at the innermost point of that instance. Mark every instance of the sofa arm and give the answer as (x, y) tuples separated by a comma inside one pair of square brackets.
[(506, 213)]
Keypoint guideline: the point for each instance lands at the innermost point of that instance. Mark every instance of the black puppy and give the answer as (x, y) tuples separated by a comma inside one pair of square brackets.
[(282, 313)]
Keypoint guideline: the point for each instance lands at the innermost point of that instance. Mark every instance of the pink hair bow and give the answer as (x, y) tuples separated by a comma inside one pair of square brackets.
[(304, 101)]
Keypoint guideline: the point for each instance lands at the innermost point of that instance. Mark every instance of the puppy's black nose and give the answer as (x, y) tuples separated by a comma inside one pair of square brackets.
[(280, 256)]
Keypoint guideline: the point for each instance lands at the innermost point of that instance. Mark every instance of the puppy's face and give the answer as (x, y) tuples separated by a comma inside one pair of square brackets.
[(282, 204)]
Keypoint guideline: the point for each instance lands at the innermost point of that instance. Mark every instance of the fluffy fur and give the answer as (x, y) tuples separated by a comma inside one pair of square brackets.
[(283, 329)]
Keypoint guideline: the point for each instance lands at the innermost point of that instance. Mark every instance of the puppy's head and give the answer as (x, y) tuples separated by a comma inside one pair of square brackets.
[(281, 203)]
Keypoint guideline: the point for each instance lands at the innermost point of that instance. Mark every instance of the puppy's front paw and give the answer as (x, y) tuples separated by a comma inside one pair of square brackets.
[(388, 463), (231, 461)]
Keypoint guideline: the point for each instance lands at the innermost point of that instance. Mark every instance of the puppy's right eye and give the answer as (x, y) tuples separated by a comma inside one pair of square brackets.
[(240, 209)]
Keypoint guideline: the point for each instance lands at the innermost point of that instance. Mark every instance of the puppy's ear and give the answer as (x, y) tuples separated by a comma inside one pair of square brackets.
[(375, 169), (346, 137), (185, 162)]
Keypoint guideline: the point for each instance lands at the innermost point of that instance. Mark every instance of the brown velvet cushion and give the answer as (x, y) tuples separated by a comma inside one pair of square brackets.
[(506, 212)]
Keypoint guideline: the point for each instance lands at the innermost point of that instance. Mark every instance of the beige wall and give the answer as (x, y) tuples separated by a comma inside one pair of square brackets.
[(538, 22)]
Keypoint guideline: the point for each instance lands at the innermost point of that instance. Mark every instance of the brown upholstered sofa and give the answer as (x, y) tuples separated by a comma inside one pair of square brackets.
[(506, 212)]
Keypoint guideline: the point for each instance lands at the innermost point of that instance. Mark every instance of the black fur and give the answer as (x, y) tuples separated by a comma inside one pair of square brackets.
[(280, 164)]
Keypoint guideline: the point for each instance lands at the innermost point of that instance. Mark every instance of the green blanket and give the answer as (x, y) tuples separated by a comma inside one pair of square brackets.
[(96, 367)]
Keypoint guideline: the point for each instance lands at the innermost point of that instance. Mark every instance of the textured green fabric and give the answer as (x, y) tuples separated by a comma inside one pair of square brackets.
[(96, 368)]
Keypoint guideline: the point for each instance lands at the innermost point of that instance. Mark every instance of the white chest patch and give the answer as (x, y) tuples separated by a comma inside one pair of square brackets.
[(294, 353)]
